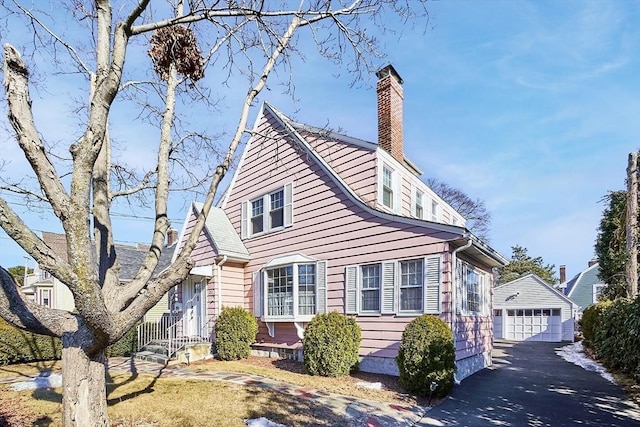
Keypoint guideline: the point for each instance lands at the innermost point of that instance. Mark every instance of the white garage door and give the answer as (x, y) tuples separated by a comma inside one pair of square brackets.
[(540, 324)]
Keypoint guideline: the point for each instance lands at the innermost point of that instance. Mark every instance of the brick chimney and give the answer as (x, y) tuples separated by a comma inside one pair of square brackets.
[(172, 236), (563, 273), (390, 98)]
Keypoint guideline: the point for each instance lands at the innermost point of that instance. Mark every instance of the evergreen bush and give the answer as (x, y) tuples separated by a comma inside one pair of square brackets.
[(427, 355), (615, 334), (18, 346), (125, 346), (236, 330), (589, 321), (331, 345)]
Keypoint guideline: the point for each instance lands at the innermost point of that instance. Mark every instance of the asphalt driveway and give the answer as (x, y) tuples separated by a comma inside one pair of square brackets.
[(529, 385)]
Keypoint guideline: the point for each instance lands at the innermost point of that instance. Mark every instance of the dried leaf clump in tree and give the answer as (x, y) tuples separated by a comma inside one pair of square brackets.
[(176, 45)]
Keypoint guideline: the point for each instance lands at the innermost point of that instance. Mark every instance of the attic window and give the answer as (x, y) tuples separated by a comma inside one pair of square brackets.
[(268, 212)]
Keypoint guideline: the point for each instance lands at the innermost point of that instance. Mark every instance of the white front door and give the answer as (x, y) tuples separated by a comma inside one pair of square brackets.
[(193, 295), (541, 324)]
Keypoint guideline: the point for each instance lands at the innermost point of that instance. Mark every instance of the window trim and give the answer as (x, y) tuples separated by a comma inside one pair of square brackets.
[(415, 191), (390, 287), (396, 187), (596, 290), (462, 303), (41, 297), (260, 294), (246, 208), (434, 211)]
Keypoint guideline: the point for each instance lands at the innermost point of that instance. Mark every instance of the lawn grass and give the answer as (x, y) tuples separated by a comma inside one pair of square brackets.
[(144, 400)]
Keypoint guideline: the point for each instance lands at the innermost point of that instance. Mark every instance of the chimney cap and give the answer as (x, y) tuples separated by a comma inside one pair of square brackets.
[(388, 70)]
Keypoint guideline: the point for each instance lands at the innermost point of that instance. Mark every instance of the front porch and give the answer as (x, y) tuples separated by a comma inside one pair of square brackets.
[(174, 337)]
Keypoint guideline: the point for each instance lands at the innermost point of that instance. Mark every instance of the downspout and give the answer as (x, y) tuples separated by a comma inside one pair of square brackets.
[(219, 280), (454, 287)]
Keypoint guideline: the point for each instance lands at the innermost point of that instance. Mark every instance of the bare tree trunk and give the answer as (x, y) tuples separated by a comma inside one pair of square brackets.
[(632, 225), (83, 396)]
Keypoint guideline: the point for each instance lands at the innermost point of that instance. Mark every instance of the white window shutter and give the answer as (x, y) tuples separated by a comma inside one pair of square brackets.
[(351, 290), (486, 297), (244, 220), (258, 297), (432, 285), (459, 279), (288, 204), (321, 287), (388, 288)]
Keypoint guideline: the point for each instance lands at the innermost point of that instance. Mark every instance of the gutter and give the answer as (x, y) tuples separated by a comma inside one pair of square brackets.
[(454, 290), (219, 284)]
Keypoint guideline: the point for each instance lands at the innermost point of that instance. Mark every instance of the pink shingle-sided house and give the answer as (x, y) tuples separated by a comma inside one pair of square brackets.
[(314, 221)]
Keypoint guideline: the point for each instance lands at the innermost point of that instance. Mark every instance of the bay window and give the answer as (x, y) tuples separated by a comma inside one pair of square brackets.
[(291, 291)]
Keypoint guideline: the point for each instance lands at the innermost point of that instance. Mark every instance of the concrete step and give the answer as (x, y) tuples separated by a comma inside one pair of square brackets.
[(158, 349), (150, 356)]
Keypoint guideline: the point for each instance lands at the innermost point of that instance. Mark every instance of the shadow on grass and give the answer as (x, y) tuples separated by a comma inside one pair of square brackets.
[(287, 409), (112, 386)]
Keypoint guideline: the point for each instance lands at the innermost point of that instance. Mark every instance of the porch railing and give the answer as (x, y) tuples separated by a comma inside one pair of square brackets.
[(171, 332)]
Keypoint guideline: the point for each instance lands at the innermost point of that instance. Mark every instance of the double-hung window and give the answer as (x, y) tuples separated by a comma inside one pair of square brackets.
[(257, 216), (418, 203), (45, 297), (370, 288), (276, 209), (268, 212), (295, 291), (435, 211), (280, 291), (387, 187), (411, 284), (407, 287)]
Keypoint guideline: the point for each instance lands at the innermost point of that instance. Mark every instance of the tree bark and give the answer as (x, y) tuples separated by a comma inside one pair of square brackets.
[(84, 382)]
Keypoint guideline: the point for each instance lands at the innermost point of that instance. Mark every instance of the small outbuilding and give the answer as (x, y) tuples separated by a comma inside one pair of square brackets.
[(528, 309)]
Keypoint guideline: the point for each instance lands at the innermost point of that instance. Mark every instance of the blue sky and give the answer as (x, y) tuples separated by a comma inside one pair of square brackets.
[(532, 106)]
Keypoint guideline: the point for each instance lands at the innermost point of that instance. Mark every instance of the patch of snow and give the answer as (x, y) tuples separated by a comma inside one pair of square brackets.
[(262, 422), (574, 353), (53, 380), (372, 386)]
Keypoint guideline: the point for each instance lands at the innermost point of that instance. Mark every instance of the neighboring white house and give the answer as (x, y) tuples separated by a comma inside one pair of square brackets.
[(528, 309), (41, 287)]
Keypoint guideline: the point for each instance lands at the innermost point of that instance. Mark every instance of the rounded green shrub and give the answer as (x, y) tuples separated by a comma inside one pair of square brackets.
[(427, 355), (331, 345), (236, 330)]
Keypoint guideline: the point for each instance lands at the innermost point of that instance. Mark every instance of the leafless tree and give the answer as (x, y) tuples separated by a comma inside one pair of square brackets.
[(185, 40), (474, 211)]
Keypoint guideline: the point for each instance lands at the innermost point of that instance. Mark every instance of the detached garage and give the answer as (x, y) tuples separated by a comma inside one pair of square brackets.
[(528, 309)]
